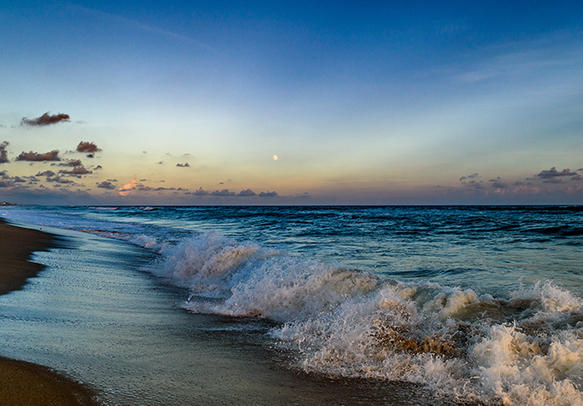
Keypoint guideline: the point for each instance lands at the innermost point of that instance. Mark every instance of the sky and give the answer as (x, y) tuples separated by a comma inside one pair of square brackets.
[(185, 102)]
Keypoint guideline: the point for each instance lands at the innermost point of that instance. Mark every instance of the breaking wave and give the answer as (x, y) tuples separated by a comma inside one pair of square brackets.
[(526, 348)]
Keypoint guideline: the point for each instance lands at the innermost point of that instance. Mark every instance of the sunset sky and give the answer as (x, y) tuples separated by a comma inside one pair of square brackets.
[(184, 102)]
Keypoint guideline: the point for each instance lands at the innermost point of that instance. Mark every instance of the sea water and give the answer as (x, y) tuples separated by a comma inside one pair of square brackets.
[(468, 303)]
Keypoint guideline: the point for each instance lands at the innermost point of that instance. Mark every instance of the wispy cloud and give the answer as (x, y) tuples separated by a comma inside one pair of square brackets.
[(143, 26)]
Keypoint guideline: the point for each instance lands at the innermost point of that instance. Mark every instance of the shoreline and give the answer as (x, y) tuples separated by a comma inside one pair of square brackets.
[(16, 246), (24, 382)]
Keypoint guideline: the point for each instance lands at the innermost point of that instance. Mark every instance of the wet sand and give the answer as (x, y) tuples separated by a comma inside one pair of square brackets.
[(24, 383), (16, 246), (98, 315)]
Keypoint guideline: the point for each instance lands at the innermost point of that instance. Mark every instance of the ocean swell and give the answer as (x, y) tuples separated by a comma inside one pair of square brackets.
[(523, 349)]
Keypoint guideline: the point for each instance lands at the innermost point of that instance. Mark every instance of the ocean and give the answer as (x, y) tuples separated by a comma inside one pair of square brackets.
[(462, 304)]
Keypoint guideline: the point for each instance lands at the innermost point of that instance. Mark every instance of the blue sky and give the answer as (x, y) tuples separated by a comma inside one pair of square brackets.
[(361, 102)]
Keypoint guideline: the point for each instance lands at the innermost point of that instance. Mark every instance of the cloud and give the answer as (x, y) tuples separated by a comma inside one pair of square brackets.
[(553, 173), (497, 183), (145, 27), (224, 192), (37, 157), (200, 192), (3, 153), (60, 180), (184, 165), (8, 181), (46, 173), (472, 176), (106, 185), (471, 181), (45, 119), (71, 162), (76, 171), (227, 193), (87, 147), (552, 180), (128, 187), (247, 192), (98, 167)]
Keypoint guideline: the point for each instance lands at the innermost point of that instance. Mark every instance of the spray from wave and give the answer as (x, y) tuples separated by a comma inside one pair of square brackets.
[(524, 349)]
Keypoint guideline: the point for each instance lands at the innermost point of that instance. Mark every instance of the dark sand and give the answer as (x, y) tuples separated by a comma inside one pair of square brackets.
[(16, 246), (23, 383)]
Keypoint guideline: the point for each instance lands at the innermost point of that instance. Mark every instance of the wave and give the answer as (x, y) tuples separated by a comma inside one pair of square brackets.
[(524, 349)]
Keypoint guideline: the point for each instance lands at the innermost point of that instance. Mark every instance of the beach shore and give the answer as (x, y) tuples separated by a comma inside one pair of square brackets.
[(24, 383)]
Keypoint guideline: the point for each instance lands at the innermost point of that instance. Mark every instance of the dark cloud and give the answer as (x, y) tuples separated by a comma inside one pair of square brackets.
[(7, 181), (106, 185), (497, 183), (3, 153), (224, 193), (472, 182), (247, 192), (160, 163), (227, 193), (552, 180), (76, 171), (268, 194), (98, 167), (144, 188), (46, 173), (37, 157), (472, 176), (87, 147), (200, 192), (553, 173), (184, 165), (60, 180), (45, 119), (71, 162)]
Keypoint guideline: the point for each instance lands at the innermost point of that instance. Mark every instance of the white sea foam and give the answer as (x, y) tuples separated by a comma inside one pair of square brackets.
[(527, 349)]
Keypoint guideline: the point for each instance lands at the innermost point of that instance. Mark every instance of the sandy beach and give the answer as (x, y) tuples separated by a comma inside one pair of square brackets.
[(24, 383)]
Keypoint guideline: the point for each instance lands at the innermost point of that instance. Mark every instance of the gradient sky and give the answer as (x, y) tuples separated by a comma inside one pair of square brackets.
[(366, 103)]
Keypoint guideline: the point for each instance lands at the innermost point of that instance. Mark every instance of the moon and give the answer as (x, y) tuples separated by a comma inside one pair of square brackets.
[(275, 157)]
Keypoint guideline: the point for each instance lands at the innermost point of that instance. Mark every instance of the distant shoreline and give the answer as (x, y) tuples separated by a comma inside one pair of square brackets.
[(23, 382)]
